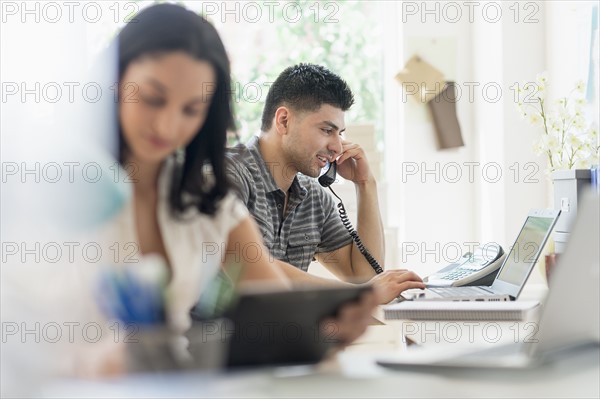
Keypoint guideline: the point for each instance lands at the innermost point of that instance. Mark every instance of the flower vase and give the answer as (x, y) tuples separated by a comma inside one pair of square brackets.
[(568, 189)]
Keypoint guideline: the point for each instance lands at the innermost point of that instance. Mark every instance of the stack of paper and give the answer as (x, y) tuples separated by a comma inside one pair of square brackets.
[(439, 310)]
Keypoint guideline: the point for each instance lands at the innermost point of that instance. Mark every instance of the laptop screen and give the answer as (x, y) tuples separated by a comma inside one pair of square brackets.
[(525, 251)]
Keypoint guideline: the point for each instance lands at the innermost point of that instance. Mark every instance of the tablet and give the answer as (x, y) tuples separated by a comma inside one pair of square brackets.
[(282, 327)]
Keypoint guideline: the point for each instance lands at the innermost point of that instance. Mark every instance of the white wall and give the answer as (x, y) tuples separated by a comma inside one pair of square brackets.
[(440, 217), (437, 218), (567, 31)]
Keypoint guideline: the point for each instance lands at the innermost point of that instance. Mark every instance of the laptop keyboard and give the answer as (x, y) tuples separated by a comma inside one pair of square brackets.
[(459, 291)]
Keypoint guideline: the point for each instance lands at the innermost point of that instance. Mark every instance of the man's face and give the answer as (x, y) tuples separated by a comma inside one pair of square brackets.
[(313, 139)]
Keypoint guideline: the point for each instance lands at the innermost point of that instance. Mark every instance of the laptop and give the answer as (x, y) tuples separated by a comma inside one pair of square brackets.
[(513, 273), (569, 321)]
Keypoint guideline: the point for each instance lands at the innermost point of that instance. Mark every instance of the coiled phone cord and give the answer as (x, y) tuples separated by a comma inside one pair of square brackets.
[(361, 247)]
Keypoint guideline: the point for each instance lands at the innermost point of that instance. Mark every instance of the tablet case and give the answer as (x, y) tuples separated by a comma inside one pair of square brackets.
[(282, 328)]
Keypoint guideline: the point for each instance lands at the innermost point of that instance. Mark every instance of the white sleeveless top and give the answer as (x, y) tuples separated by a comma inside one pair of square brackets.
[(47, 296)]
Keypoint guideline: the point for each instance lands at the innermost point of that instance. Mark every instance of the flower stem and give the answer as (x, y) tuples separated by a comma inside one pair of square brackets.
[(543, 114)]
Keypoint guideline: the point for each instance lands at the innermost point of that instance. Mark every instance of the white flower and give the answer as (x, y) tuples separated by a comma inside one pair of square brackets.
[(563, 113), (542, 78), (574, 141), (540, 90), (521, 109), (552, 144), (592, 132), (555, 127), (588, 147), (583, 163), (566, 138), (579, 124), (539, 148), (535, 119)]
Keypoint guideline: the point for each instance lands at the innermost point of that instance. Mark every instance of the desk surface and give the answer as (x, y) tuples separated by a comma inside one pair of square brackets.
[(354, 373)]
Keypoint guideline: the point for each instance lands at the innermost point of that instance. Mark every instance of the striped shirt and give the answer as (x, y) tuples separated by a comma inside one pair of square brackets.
[(311, 223)]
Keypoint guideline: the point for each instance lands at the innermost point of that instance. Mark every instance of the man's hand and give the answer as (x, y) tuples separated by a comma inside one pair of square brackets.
[(353, 165), (351, 322), (391, 283)]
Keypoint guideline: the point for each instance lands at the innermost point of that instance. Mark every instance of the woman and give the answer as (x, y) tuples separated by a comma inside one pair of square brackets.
[(174, 111)]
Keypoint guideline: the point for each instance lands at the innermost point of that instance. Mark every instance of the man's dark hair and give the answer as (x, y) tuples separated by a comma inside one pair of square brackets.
[(305, 87)]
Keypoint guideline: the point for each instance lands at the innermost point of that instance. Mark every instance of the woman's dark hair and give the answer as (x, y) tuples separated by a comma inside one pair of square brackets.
[(164, 28)]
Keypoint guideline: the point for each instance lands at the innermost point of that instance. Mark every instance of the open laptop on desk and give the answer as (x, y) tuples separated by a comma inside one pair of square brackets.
[(570, 317), (514, 271)]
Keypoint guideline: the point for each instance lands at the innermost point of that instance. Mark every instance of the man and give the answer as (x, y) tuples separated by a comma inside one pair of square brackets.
[(275, 176)]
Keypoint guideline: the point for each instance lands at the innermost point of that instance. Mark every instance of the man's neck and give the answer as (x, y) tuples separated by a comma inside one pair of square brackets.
[(282, 171)]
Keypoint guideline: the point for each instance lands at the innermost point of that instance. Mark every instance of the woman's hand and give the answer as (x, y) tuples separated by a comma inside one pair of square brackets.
[(351, 322)]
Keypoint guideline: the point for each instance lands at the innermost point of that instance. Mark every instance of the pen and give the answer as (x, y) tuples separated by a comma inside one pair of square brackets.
[(134, 293), (219, 295)]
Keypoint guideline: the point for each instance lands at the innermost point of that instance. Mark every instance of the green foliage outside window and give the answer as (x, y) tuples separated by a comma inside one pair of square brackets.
[(344, 36)]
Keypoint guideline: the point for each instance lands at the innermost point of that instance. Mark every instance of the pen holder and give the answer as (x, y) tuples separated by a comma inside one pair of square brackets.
[(152, 348), (209, 342), (158, 348)]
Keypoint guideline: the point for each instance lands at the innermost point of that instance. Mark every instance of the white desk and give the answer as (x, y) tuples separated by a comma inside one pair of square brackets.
[(354, 373)]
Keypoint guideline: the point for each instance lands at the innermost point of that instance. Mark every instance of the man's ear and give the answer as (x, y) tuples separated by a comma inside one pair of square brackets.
[(282, 120)]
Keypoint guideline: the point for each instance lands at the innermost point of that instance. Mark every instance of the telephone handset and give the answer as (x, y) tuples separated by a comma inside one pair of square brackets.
[(326, 180), (477, 269)]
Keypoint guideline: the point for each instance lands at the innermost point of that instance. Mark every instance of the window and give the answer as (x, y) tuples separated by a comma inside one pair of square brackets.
[(344, 36), (264, 37)]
